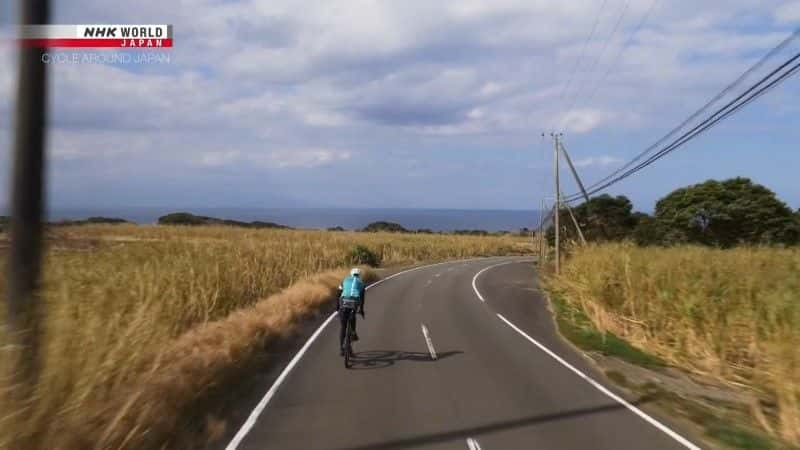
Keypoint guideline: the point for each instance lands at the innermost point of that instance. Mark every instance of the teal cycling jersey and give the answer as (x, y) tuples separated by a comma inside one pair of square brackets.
[(353, 288)]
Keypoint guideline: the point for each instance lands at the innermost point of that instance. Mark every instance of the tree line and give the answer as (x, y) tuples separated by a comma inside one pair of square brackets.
[(722, 214)]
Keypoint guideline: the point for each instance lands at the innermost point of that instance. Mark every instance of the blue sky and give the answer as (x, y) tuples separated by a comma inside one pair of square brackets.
[(407, 104)]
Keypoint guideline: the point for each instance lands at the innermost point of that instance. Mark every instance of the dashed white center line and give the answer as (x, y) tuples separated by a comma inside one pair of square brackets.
[(428, 341), (438, 275), (473, 444), (251, 419)]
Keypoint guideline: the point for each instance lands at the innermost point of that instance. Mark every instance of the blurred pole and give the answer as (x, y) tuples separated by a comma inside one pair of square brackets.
[(27, 192), (558, 202), (541, 231)]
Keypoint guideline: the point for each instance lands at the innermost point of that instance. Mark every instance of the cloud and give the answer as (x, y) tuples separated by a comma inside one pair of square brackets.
[(788, 13), (7, 78), (217, 159), (282, 86), (598, 161), (303, 158), (277, 159), (585, 120)]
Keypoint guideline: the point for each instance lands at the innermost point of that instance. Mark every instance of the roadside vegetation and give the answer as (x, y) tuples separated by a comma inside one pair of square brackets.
[(143, 321), (709, 284), (727, 315), (184, 218), (721, 214)]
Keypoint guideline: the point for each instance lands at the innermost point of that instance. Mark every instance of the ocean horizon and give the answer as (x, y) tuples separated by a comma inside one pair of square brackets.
[(348, 218)]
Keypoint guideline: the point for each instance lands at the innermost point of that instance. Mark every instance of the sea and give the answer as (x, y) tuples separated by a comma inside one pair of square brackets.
[(320, 218)]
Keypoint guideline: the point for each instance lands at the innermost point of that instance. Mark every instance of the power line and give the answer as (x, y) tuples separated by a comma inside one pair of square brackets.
[(750, 95), (621, 51), (583, 51), (705, 125), (702, 109), (597, 60)]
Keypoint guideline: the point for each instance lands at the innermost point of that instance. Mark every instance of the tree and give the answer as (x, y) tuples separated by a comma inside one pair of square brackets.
[(726, 213), (184, 218), (602, 218), (390, 227), (648, 230)]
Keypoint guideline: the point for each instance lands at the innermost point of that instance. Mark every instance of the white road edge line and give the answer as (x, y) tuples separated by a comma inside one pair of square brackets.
[(251, 420), (475, 278), (686, 443), (473, 444), (428, 341)]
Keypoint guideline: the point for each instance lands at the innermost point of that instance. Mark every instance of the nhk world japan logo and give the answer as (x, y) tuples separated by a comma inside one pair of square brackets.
[(144, 37)]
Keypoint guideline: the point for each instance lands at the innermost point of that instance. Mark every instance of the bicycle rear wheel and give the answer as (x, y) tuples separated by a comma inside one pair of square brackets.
[(347, 349)]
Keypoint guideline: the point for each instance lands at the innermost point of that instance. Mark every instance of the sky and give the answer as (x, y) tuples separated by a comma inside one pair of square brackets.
[(412, 104)]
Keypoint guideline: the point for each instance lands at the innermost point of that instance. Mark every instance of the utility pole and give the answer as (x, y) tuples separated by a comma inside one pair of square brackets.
[(574, 172), (541, 232), (575, 221), (27, 204), (556, 146)]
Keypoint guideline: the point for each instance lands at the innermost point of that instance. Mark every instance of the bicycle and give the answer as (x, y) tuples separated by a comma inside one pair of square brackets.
[(349, 308)]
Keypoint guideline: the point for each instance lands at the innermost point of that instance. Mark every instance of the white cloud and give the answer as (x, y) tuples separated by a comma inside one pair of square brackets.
[(278, 84), (789, 12), (275, 159), (106, 145), (217, 159), (598, 161), (7, 78), (585, 120), (302, 158)]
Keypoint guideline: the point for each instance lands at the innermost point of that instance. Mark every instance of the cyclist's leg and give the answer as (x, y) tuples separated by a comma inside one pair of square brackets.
[(353, 325), (344, 315)]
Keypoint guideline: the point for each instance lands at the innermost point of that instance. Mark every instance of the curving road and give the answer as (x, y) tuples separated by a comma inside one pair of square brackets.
[(460, 355)]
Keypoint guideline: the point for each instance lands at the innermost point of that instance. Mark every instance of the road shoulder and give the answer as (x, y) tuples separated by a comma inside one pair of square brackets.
[(514, 291)]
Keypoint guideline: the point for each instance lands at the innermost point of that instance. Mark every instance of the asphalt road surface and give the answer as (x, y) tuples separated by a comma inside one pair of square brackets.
[(459, 355)]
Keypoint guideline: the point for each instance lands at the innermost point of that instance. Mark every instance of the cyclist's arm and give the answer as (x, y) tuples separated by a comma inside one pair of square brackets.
[(339, 296)]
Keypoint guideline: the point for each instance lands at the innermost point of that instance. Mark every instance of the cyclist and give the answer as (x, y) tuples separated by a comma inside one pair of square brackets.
[(351, 299)]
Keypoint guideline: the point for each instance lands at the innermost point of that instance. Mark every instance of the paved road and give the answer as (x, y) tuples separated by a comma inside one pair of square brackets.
[(490, 386)]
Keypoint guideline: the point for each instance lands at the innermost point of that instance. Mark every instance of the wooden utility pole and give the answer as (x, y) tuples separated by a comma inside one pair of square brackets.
[(575, 222), (541, 232), (574, 172), (27, 204), (556, 146)]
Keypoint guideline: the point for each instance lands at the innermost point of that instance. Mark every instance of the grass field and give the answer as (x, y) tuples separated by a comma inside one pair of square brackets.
[(732, 315), (152, 315)]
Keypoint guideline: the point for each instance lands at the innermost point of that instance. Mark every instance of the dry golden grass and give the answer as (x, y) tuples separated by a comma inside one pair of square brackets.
[(730, 314), (140, 319)]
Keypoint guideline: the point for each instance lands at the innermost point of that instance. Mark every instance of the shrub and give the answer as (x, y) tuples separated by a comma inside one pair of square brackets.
[(363, 255), (385, 226), (181, 218)]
